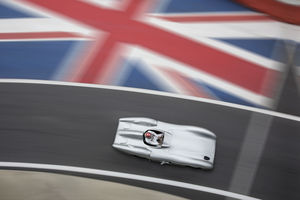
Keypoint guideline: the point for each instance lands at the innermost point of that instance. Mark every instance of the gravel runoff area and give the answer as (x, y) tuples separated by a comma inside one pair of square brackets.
[(23, 185)]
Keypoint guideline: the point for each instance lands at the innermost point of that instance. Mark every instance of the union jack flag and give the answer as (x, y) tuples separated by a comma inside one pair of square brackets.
[(212, 49)]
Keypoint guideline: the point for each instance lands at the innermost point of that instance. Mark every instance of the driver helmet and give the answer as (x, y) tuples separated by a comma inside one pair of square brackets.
[(149, 134)]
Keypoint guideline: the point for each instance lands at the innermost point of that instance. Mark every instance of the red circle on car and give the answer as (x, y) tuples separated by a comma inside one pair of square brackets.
[(148, 135)]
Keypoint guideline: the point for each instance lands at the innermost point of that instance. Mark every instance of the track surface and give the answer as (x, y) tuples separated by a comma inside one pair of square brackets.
[(76, 126)]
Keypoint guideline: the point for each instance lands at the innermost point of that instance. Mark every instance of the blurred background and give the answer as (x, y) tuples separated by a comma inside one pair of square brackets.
[(244, 52)]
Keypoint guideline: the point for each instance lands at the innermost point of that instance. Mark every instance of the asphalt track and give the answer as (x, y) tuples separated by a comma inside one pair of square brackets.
[(75, 126)]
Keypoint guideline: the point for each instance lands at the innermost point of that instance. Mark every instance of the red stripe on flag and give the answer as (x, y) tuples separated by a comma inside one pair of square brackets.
[(200, 56), (279, 10), (214, 18), (106, 52), (41, 35)]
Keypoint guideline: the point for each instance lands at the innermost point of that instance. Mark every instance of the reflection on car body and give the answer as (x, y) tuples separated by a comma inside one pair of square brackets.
[(165, 142)]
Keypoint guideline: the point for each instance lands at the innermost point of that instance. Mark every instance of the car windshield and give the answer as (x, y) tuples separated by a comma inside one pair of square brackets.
[(153, 138)]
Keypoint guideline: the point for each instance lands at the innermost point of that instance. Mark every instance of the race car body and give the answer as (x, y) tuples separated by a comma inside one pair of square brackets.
[(166, 143)]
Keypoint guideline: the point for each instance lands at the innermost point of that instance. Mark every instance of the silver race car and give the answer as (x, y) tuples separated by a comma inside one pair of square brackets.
[(166, 143)]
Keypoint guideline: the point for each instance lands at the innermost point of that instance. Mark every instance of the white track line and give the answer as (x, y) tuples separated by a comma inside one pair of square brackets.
[(144, 91), (125, 176)]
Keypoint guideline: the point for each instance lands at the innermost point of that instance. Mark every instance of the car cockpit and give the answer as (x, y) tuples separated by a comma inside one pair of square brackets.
[(153, 138)]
